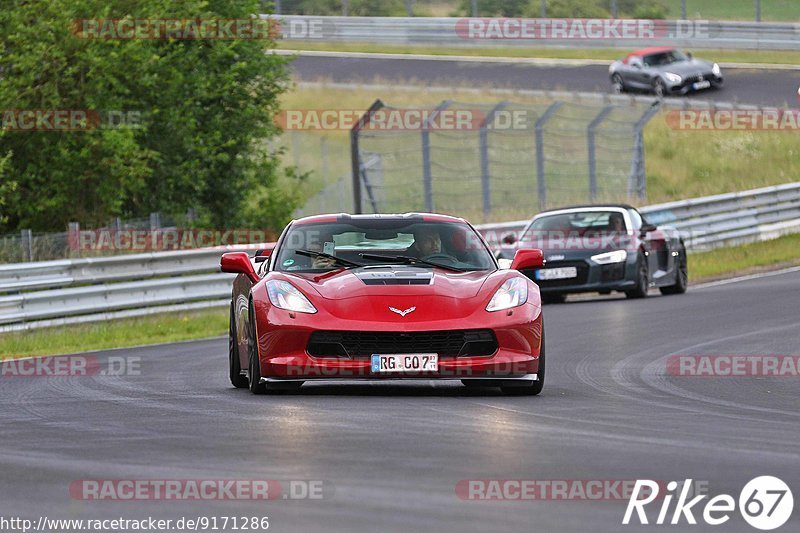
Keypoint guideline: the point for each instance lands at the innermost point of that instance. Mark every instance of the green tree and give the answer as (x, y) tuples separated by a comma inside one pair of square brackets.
[(205, 108), (496, 8)]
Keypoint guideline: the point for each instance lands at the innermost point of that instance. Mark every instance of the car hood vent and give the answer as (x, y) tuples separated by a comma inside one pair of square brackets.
[(396, 277)]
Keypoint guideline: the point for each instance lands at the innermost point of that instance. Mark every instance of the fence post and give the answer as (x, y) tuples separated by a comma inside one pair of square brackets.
[(74, 236), (355, 155), (324, 149), (26, 242), (155, 220), (613, 9), (543, 9), (758, 10), (484, 147), (637, 180), (539, 127), (590, 133), (683, 9), (427, 179)]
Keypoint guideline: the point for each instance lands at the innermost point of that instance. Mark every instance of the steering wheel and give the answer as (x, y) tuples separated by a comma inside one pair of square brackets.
[(439, 257)]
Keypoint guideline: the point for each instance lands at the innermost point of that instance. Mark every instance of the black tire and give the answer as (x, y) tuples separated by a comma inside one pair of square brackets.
[(617, 85), (659, 89), (238, 380), (533, 387), (254, 367), (557, 298), (681, 275), (642, 279)]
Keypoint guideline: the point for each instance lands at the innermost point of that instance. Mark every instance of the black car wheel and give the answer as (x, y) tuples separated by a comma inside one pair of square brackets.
[(254, 367), (681, 276), (642, 279), (531, 388), (617, 85), (659, 89), (238, 380)]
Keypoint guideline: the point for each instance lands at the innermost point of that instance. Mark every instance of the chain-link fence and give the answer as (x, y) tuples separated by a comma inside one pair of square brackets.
[(498, 161)]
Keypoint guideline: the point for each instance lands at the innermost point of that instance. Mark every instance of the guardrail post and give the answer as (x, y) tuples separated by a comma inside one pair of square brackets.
[(484, 147), (539, 127), (590, 134), (427, 179), (355, 154), (26, 242)]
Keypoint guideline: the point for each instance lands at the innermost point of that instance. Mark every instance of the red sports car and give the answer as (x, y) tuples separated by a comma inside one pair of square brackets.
[(413, 296)]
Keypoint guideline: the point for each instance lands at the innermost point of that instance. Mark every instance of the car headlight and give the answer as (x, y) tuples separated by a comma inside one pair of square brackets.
[(286, 296), (617, 256), (512, 293), (672, 78), (716, 70)]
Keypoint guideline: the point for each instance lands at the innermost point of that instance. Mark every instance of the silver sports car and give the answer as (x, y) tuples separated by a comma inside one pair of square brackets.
[(664, 71)]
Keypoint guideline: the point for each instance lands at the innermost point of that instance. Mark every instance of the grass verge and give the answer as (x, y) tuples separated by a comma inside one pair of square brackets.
[(745, 259), (153, 329), (704, 266), (767, 57)]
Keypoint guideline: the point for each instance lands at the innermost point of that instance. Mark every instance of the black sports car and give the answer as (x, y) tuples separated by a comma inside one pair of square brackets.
[(664, 71), (601, 248)]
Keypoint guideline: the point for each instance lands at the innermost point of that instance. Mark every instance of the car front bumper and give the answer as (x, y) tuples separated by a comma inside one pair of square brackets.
[(591, 277)]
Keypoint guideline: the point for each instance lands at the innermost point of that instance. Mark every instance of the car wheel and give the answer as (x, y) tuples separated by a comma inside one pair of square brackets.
[(617, 85), (681, 276), (658, 88), (642, 280), (254, 366), (532, 388), (234, 364), (554, 298)]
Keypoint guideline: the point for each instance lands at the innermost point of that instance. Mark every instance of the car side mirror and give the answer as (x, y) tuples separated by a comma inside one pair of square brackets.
[(637, 66), (509, 238), (238, 263), (647, 228), (527, 258)]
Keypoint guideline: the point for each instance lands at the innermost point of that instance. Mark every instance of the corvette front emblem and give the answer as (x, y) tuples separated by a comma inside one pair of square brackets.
[(402, 313)]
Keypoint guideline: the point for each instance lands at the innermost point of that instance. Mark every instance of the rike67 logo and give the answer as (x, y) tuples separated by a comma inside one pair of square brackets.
[(765, 502)]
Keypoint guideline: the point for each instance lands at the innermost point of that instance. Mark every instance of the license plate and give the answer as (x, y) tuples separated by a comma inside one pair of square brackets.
[(701, 85), (405, 362), (557, 273)]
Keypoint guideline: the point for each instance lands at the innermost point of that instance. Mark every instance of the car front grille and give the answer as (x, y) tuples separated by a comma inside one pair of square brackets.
[(359, 344)]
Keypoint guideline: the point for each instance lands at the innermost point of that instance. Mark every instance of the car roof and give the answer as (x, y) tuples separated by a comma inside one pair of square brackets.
[(411, 217), (587, 206), (651, 50)]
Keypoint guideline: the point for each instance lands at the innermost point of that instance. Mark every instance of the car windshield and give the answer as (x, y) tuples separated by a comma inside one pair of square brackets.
[(561, 225), (319, 247), (664, 58)]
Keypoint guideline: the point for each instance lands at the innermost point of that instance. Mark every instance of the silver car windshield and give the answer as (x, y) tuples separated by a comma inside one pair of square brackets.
[(664, 58)]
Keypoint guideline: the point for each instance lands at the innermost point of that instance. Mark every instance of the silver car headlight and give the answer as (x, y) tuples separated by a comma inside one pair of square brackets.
[(716, 70), (617, 256), (512, 293), (286, 296), (672, 78)]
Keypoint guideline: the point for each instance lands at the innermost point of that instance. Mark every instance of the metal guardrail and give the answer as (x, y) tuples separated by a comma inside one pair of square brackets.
[(453, 32), (83, 290)]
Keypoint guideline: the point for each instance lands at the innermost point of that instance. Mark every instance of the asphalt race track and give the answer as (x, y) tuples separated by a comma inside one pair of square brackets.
[(391, 454), (753, 87)]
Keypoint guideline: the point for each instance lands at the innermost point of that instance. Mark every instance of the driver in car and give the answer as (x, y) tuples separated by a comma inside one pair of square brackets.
[(427, 243)]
